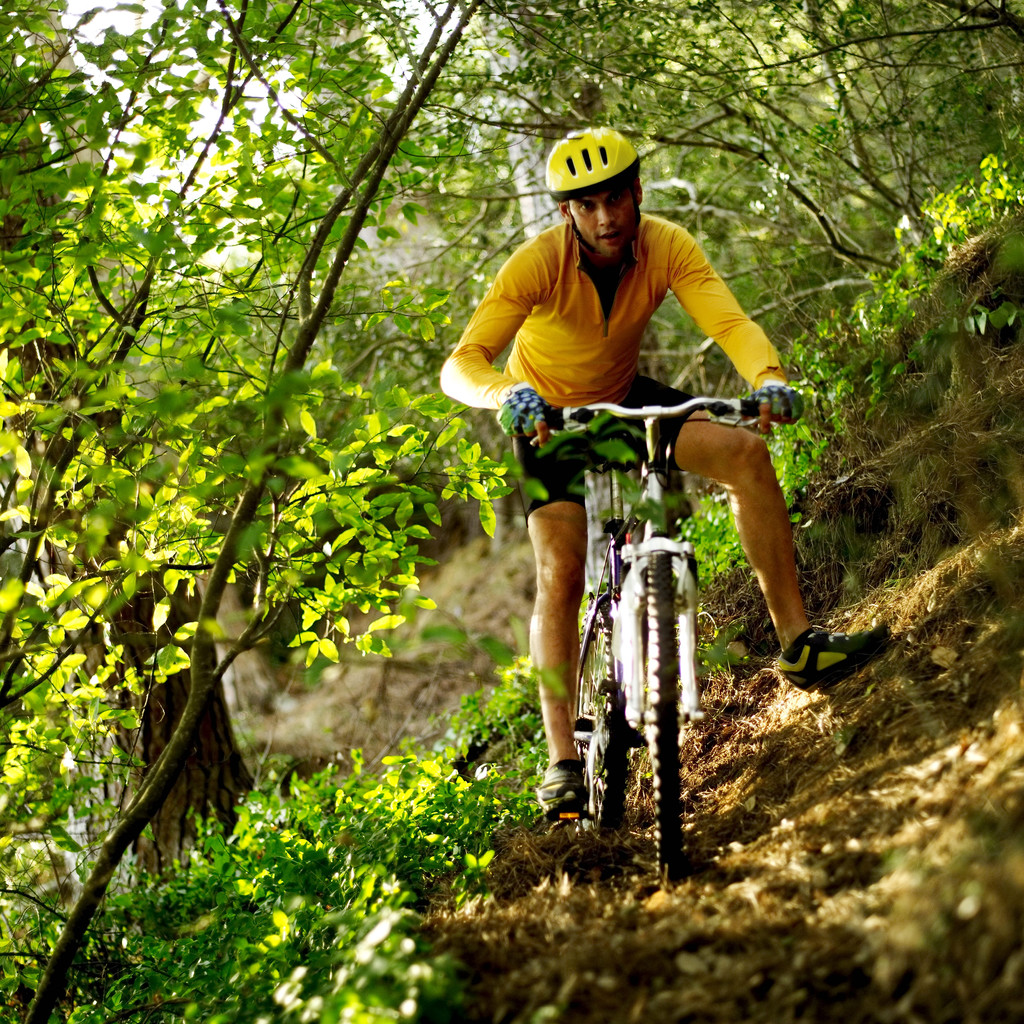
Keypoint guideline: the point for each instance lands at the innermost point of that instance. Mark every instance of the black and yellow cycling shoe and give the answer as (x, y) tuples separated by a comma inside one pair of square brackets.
[(816, 660), (562, 794)]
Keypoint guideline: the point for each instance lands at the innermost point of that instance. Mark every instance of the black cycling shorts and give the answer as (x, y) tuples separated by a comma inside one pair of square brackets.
[(556, 471)]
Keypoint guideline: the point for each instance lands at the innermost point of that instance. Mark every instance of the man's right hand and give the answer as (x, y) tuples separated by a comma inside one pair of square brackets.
[(524, 412)]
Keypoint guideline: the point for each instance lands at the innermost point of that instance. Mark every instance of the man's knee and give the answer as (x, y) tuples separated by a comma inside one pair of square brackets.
[(748, 463), (754, 452)]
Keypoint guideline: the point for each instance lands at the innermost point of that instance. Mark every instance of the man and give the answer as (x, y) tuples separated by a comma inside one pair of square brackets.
[(573, 303)]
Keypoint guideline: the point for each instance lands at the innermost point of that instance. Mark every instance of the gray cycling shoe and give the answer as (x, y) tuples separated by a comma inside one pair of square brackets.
[(816, 660), (562, 794)]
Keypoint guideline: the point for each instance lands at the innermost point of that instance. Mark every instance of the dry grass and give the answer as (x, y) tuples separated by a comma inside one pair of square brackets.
[(856, 857)]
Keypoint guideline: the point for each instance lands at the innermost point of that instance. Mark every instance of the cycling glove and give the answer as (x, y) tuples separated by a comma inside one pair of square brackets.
[(786, 403), (522, 411)]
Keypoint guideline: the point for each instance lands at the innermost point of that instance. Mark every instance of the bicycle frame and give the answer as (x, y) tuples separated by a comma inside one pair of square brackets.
[(645, 609), (627, 589)]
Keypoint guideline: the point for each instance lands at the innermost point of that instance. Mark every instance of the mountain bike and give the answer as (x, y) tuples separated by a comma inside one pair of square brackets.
[(638, 680)]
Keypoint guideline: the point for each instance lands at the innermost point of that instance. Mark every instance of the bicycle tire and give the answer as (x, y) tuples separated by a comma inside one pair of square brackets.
[(661, 718), (601, 729)]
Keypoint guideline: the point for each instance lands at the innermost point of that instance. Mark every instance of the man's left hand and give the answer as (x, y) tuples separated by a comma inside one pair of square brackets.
[(779, 404)]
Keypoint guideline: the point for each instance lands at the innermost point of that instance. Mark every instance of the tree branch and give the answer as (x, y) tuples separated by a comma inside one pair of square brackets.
[(257, 73), (389, 139), (804, 198)]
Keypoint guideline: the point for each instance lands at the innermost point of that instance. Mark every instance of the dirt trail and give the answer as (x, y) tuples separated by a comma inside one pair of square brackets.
[(855, 857)]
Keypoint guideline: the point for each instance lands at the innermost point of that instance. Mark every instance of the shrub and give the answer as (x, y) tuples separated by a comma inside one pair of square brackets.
[(306, 910)]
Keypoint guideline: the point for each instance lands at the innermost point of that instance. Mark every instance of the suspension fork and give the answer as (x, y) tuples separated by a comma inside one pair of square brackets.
[(687, 606)]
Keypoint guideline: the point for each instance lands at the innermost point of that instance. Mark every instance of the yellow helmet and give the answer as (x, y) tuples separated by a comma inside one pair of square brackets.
[(586, 160)]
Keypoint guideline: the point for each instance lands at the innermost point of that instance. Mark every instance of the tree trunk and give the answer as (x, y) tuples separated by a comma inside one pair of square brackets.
[(213, 780), (214, 777)]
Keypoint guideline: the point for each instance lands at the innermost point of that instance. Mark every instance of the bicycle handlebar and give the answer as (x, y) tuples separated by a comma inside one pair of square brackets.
[(577, 417)]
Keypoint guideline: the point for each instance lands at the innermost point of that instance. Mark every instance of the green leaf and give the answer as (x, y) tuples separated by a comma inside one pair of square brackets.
[(73, 618), (300, 468), (488, 520), (10, 594), (161, 610), (171, 659), (63, 840), (312, 652), (1004, 315), (386, 622)]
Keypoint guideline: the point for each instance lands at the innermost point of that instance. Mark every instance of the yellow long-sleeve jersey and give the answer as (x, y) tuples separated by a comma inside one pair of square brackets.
[(545, 305)]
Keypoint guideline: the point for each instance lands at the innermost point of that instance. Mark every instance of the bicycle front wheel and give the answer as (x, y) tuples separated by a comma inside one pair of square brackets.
[(601, 730), (661, 717)]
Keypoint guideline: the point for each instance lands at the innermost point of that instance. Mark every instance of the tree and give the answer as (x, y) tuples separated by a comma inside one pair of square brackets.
[(791, 137), (173, 420)]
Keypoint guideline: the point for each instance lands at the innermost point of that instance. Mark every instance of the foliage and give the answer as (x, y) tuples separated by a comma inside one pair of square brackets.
[(223, 293), (910, 315), (340, 534), (504, 722), (182, 195), (307, 907), (854, 359)]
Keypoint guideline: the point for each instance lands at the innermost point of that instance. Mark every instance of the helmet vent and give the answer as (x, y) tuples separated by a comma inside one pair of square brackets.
[(586, 159), (604, 156), (571, 165)]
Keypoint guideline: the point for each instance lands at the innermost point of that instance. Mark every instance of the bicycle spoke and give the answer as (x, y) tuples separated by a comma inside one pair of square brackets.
[(600, 726)]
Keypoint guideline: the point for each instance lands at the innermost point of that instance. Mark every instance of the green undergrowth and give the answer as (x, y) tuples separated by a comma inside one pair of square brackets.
[(910, 394), (308, 909)]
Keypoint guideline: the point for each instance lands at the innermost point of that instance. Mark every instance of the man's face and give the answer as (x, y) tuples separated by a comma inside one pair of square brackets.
[(606, 221)]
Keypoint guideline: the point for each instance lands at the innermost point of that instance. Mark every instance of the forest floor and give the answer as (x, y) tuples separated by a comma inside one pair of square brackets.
[(854, 857), (482, 590)]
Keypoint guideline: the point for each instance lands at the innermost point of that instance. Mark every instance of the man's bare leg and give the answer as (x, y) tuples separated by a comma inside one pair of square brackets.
[(559, 535), (740, 462)]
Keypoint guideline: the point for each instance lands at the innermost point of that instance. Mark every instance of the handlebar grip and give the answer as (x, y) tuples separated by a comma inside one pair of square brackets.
[(749, 407), (571, 415)]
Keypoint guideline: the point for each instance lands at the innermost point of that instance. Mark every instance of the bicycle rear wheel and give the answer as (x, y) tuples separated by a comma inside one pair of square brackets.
[(662, 715), (602, 735)]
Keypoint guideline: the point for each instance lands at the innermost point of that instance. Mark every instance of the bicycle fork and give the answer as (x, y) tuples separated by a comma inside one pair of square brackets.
[(627, 636)]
